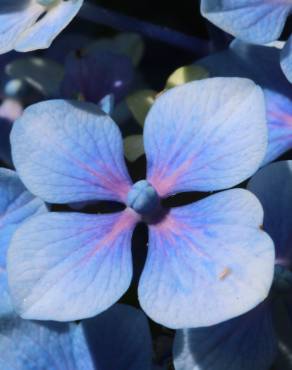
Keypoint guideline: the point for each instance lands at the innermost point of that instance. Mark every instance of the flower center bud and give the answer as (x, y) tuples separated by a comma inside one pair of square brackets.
[(143, 199)]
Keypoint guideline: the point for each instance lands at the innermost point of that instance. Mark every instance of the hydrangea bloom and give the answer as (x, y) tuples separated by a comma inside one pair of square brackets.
[(33, 24), (203, 136), (261, 64), (249, 342)]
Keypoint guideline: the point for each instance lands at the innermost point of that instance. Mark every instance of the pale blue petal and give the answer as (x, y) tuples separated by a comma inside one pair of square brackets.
[(205, 135), (119, 339), (286, 59), (15, 18), (42, 33), (207, 262), (66, 151), (16, 206), (247, 342), (253, 21), (70, 266), (273, 186), (42, 346)]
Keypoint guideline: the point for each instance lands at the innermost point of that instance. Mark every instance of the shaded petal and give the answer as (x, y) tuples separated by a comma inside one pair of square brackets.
[(119, 338), (95, 75), (41, 34), (247, 342), (32, 345), (205, 135), (258, 22), (16, 206), (66, 151), (16, 17), (286, 59), (273, 186), (69, 266), (43, 74), (260, 63), (207, 262)]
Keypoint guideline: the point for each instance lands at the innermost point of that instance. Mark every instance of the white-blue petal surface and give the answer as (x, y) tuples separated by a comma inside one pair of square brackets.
[(207, 262), (70, 266), (205, 135), (67, 151), (258, 22)]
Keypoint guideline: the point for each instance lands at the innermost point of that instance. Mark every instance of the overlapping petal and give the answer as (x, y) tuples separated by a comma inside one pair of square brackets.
[(247, 342), (16, 206), (261, 64), (205, 135), (207, 262), (69, 266), (67, 151), (253, 21), (286, 59), (119, 339), (32, 345), (273, 186)]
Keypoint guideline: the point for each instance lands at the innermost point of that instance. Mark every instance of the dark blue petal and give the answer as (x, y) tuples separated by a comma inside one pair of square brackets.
[(119, 339), (247, 342)]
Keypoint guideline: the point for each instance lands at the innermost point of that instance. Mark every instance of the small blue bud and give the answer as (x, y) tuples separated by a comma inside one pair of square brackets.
[(143, 198)]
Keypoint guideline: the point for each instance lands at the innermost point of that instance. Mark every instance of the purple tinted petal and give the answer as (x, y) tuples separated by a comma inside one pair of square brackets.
[(95, 75), (247, 342), (205, 135), (273, 186), (198, 271), (66, 151), (258, 22), (119, 339), (69, 266)]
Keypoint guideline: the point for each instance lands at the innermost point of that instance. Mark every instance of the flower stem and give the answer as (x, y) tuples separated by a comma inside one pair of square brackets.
[(100, 15)]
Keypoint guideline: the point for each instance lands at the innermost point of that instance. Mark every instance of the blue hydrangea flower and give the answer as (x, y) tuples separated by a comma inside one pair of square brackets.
[(253, 340), (33, 24), (207, 261), (117, 339), (258, 22), (261, 64)]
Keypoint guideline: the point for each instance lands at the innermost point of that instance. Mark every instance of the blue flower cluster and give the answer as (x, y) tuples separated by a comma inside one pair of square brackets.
[(81, 288)]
